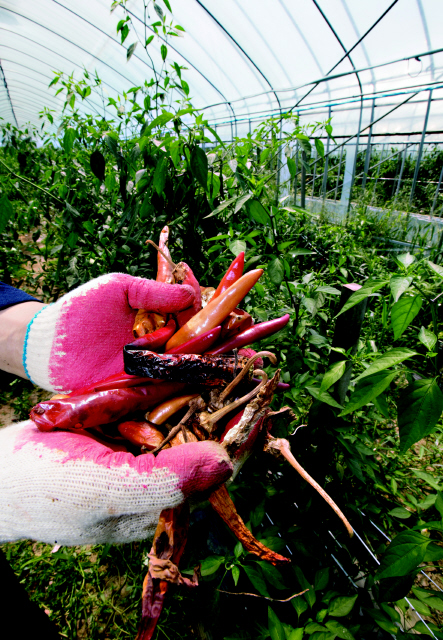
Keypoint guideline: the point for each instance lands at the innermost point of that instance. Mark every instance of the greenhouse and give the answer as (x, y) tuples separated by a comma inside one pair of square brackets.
[(221, 328)]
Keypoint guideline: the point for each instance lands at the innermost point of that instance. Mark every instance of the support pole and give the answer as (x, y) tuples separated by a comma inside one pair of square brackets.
[(368, 149), (436, 192), (296, 173), (303, 181), (420, 149), (338, 174), (325, 167)]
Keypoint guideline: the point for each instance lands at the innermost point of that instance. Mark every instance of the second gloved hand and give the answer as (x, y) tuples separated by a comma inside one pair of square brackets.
[(79, 339)]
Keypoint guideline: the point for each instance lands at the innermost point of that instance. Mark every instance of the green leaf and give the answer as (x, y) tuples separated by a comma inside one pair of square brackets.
[(237, 246), (160, 173), (341, 606), (149, 40), (398, 285), (258, 212), (340, 631), (370, 287), (368, 389), (241, 201), (300, 605), (323, 396), (400, 512), (68, 139), (276, 271), (326, 289), (130, 51), (406, 259), (88, 225), (199, 166), (403, 312), (163, 51), (426, 477), (112, 145), (275, 626), (419, 409), (98, 164), (333, 374), (321, 579), (388, 359), (235, 574), (320, 147), (272, 574), (428, 338), (383, 621), (72, 239), (406, 551), (296, 634), (439, 503), (211, 564), (381, 404), (292, 167), (185, 87), (6, 212), (436, 268), (255, 576), (222, 206), (159, 121)]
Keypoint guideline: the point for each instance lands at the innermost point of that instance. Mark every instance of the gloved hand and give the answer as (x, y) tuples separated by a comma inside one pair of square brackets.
[(68, 488), (79, 339)]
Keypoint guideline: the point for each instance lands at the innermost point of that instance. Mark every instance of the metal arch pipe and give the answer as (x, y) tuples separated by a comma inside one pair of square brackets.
[(344, 49), (226, 101), (67, 40), (243, 52), (3, 77), (420, 149)]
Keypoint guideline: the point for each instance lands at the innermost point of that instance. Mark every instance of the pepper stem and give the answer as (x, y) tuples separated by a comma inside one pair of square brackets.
[(193, 406), (226, 392), (283, 447), (166, 257), (209, 420)]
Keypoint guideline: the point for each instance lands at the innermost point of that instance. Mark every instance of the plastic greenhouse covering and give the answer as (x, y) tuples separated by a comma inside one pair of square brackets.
[(246, 59)]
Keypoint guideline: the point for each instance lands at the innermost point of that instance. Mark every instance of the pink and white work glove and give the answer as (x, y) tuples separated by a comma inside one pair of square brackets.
[(68, 488), (79, 339)]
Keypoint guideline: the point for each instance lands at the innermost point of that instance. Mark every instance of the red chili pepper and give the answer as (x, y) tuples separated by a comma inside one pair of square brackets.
[(200, 344), (141, 433), (103, 407), (237, 322), (164, 267), (215, 311), (233, 274), (257, 332), (120, 380), (158, 338), (183, 275)]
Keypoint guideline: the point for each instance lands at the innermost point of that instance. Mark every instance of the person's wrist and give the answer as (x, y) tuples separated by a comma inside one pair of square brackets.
[(13, 327)]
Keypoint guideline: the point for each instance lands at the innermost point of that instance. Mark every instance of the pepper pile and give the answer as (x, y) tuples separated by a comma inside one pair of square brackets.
[(177, 365)]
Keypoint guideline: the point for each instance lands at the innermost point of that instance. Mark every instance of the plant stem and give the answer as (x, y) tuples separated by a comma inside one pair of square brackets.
[(30, 182)]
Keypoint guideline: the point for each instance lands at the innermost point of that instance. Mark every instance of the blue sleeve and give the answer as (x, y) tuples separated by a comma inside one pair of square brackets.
[(10, 296)]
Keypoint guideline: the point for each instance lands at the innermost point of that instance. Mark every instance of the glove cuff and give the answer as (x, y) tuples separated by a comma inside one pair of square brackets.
[(38, 344)]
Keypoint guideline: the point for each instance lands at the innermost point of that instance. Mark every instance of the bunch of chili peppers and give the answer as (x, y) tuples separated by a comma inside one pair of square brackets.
[(178, 365)]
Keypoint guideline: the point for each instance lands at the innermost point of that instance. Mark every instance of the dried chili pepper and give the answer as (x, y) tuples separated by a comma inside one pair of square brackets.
[(200, 344), (103, 407), (156, 339), (234, 273), (200, 369), (167, 547), (221, 502), (251, 335), (120, 380), (215, 311)]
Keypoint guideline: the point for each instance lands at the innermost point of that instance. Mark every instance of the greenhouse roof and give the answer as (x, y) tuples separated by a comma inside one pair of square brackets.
[(245, 59)]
